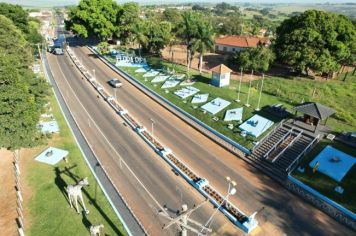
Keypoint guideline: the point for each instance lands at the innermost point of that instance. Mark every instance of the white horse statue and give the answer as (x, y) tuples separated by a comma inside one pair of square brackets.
[(75, 191), (95, 230)]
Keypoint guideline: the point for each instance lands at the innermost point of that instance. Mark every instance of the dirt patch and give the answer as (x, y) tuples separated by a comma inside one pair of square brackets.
[(7, 194)]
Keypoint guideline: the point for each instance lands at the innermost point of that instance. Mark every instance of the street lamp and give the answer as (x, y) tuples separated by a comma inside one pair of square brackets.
[(152, 123), (230, 191)]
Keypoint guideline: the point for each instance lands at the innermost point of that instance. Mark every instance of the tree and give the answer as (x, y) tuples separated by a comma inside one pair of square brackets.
[(230, 25), (187, 31), (140, 35), (94, 17), (254, 59), (127, 19), (103, 48), (22, 96), (317, 41), (17, 14), (203, 40), (158, 36)]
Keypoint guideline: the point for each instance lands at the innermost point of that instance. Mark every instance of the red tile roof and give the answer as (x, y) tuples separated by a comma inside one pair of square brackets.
[(241, 41), (221, 69)]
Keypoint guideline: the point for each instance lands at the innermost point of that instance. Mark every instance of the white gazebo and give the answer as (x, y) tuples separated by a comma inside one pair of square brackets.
[(220, 75)]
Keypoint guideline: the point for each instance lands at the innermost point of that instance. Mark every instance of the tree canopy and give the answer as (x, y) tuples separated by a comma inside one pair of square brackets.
[(94, 17), (22, 96), (254, 59), (317, 41)]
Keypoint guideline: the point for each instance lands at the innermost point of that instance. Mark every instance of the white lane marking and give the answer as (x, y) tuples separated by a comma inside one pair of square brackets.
[(112, 147)]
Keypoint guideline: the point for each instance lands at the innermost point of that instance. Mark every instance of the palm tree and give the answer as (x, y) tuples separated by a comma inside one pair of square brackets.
[(187, 30), (203, 40), (139, 36)]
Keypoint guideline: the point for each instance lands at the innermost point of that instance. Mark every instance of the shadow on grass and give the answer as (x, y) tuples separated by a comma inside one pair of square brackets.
[(92, 200)]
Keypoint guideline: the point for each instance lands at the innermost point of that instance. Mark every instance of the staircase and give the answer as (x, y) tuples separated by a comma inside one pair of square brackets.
[(277, 151)]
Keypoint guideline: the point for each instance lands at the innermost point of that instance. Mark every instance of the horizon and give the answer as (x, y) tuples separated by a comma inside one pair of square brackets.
[(60, 3)]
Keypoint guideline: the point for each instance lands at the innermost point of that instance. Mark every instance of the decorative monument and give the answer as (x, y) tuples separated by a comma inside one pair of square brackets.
[(75, 191), (220, 75), (95, 230)]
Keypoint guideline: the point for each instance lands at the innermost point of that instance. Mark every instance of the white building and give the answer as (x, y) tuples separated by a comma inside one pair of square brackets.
[(220, 75)]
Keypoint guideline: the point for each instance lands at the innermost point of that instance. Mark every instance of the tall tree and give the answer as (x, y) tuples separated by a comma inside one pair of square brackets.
[(316, 41), (22, 96), (140, 35), (187, 31), (254, 59), (94, 17), (126, 20), (203, 40), (158, 35), (17, 14)]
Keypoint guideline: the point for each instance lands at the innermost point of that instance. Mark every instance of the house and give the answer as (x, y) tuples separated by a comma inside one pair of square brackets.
[(235, 43)]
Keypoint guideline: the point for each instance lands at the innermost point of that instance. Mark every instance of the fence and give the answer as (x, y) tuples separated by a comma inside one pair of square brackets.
[(20, 221)]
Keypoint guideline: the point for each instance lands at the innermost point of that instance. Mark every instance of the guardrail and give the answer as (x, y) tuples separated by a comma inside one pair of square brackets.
[(211, 133), (240, 219), (270, 133), (291, 167)]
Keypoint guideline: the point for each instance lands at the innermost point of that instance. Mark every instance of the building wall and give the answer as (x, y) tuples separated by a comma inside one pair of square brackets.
[(220, 80), (227, 49)]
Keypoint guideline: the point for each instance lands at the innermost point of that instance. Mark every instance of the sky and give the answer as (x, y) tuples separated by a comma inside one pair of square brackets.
[(48, 3)]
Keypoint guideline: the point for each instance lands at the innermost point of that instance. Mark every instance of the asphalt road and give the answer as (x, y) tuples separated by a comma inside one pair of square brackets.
[(283, 212), (144, 179)]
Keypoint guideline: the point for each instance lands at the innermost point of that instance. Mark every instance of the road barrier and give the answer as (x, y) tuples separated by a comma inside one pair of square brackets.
[(238, 217)]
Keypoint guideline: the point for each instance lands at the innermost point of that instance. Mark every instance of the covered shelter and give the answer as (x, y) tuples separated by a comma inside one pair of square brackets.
[(220, 75), (314, 112)]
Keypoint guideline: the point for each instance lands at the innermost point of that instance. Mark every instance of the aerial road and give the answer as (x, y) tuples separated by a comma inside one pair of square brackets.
[(145, 180), (283, 212), (155, 185)]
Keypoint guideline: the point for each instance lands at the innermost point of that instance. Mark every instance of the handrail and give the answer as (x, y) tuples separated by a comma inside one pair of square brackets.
[(278, 143), (290, 144), (288, 170), (269, 134)]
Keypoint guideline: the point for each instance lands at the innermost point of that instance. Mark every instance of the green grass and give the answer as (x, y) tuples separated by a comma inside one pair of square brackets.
[(49, 211), (336, 93), (324, 184)]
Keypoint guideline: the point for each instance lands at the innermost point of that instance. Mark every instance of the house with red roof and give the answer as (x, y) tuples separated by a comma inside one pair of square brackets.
[(235, 43)]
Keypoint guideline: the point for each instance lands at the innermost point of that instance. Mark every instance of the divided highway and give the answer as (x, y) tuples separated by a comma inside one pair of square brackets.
[(283, 212)]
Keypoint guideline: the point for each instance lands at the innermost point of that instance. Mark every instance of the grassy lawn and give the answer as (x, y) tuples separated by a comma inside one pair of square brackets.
[(324, 184), (49, 211), (336, 93)]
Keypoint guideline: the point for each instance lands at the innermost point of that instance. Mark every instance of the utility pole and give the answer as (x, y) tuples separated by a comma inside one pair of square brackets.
[(183, 219)]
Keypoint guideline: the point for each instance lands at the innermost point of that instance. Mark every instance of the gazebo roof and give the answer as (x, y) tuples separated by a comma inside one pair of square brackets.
[(221, 69), (315, 109)]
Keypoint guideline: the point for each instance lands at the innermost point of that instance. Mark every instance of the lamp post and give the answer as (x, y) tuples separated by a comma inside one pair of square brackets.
[(249, 90), (238, 94), (152, 123), (259, 98), (230, 191)]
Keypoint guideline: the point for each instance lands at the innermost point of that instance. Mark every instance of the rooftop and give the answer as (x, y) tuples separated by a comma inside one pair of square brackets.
[(241, 41), (221, 69), (315, 109)]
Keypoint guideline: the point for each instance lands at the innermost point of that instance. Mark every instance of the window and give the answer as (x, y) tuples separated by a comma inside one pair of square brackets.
[(225, 49)]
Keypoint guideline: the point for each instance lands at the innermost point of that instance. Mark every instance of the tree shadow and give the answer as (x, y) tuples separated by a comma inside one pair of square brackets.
[(61, 184), (86, 222), (92, 201)]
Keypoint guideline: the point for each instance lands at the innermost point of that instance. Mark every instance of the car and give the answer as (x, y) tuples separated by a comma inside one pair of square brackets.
[(115, 83)]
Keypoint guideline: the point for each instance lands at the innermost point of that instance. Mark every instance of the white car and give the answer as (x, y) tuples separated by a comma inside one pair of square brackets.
[(115, 83)]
